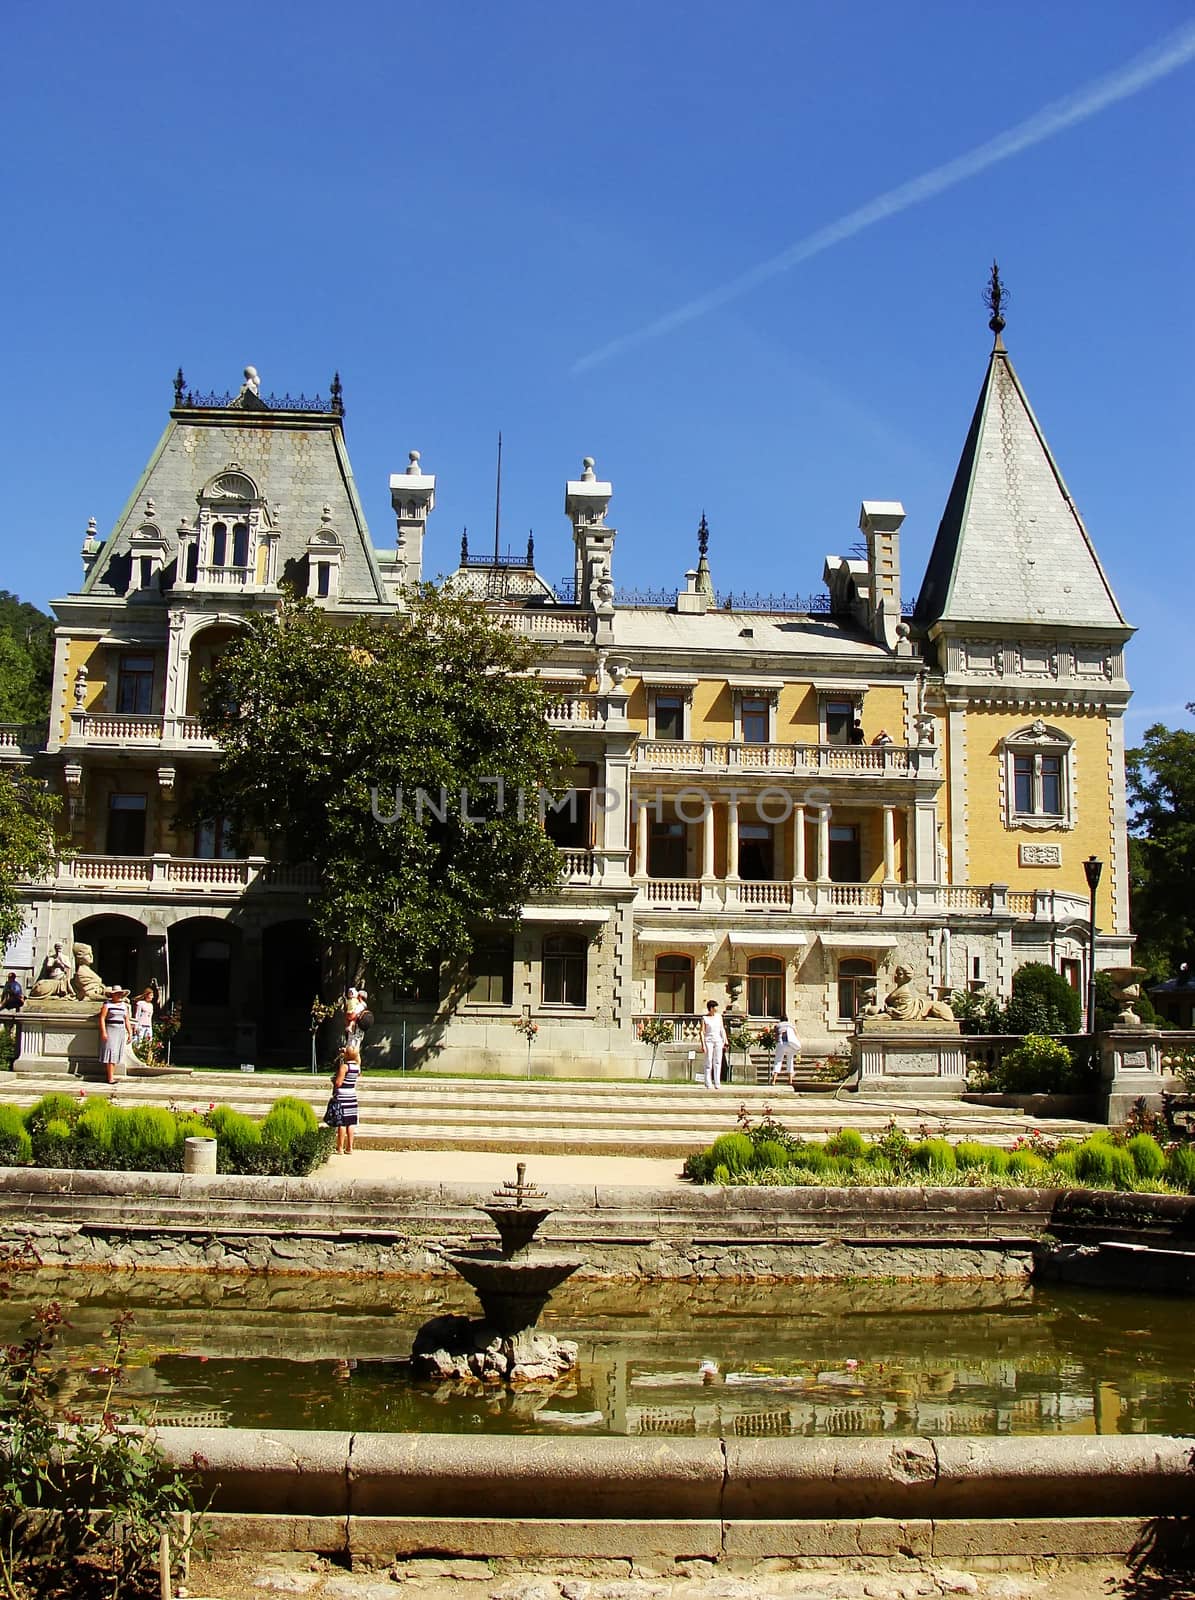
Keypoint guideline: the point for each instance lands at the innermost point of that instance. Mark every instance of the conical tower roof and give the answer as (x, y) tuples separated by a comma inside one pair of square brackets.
[(1011, 547)]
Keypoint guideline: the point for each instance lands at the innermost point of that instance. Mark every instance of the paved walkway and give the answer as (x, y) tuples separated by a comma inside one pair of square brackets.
[(496, 1166)]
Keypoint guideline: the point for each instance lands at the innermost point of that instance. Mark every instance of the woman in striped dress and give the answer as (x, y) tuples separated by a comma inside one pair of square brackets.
[(114, 1028), (344, 1098)]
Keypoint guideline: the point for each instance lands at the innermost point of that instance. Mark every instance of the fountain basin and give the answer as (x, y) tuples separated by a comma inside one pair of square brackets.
[(513, 1290)]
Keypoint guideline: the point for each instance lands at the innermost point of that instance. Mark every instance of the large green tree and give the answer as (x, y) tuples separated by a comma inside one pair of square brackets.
[(26, 660), (403, 758), (28, 848), (1161, 778)]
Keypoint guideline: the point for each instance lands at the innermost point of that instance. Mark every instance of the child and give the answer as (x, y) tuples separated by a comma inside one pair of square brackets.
[(143, 1016)]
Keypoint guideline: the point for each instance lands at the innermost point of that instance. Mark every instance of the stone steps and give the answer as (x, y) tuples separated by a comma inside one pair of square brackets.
[(540, 1115)]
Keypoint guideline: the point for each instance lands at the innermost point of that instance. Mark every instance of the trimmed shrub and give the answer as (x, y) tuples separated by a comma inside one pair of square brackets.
[(810, 1156), (53, 1107), (933, 1155), (145, 1139), (1029, 1167), (1043, 1001), (94, 1134), (769, 1154), (732, 1151), (722, 1175), (1124, 1168), (969, 1155), (1180, 1167), (996, 1160), (847, 1142), (1148, 1155), (699, 1167), (239, 1147), (1039, 1065), (52, 1143), (1064, 1164), (16, 1147), (1093, 1163)]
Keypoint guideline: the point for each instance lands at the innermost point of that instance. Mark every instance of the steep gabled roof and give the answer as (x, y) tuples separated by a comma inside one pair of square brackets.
[(1011, 546)]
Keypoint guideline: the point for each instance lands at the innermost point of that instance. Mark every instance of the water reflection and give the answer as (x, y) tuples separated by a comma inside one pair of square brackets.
[(689, 1359)]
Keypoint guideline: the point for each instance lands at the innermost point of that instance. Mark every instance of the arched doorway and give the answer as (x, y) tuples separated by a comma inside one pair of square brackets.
[(122, 949), (291, 975)]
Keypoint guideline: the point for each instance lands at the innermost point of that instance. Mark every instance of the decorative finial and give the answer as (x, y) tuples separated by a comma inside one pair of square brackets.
[(587, 473), (92, 531), (413, 462), (179, 385), (703, 536), (337, 395), (464, 547), (995, 297), (252, 381), (530, 547)]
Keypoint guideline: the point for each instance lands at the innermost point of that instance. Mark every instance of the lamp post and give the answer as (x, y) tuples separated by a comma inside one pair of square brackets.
[(1092, 868)]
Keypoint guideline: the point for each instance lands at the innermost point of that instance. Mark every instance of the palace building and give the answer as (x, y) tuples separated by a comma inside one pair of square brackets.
[(778, 800)]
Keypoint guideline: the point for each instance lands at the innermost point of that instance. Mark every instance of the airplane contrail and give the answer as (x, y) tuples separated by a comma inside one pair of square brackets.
[(1157, 62)]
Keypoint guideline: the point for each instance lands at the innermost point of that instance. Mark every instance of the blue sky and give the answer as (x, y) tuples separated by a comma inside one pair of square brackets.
[(459, 205)]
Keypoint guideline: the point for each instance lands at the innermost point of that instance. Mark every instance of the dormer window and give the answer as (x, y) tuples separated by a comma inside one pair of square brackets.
[(233, 544), (324, 556), (219, 545)]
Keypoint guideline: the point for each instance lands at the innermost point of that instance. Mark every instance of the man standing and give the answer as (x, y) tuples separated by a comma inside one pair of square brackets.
[(713, 1043), (788, 1047)]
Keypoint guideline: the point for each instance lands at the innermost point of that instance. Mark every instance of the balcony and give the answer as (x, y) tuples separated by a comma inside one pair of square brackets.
[(21, 740), (858, 899), (102, 730), (716, 757), (181, 875)]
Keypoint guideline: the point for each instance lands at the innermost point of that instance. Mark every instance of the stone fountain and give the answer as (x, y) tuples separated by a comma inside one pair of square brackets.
[(513, 1284)]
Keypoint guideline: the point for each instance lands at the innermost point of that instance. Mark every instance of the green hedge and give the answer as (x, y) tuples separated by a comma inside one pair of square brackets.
[(64, 1130), (767, 1153)]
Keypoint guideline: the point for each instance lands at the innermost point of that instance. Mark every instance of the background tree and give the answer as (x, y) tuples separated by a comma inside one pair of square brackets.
[(1161, 780), (315, 716), (28, 848), (26, 660)]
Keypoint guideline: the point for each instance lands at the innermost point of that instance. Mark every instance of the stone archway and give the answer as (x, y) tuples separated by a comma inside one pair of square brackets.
[(123, 949), (208, 982), (292, 974)]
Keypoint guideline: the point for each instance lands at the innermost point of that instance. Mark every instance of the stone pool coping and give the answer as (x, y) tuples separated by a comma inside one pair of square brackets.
[(411, 1495)]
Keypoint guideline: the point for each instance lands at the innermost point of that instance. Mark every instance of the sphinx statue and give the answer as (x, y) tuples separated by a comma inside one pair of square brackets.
[(904, 1004), (87, 983), (53, 981)]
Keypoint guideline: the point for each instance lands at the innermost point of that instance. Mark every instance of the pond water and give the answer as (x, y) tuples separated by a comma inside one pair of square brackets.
[(836, 1359)]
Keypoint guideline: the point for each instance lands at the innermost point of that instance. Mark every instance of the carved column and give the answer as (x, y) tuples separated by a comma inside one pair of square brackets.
[(823, 844), (798, 844), (889, 844), (732, 836)]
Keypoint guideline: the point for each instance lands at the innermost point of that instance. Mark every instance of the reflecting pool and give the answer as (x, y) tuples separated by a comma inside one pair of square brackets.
[(727, 1359)]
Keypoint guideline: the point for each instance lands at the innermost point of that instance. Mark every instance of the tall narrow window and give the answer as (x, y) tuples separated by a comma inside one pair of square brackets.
[(126, 824), (215, 841), (756, 851), (240, 544), (856, 979), (674, 985), (135, 686), (192, 572), (755, 719), (564, 963), (845, 860), (491, 971), (219, 544), (765, 986), (666, 850), (670, 716), (323, 579), (839, 720), (1037, 778)]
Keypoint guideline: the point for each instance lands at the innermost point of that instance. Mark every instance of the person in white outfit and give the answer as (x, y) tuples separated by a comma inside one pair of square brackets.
[(713, 1043), (788, 1047)]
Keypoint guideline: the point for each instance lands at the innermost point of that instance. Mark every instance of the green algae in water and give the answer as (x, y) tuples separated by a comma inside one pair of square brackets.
[(731, 1360)]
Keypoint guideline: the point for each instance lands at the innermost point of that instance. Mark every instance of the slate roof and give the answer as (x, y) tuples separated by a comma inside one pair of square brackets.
[(297, 459), (1011, 546), (722, 634)]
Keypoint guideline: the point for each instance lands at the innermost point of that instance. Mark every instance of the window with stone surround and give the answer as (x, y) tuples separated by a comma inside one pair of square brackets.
[(1037, 778), (565, 960), (669, 720), (491, 971), (674, 985), (765, 986), (135, 686), (856, 980)]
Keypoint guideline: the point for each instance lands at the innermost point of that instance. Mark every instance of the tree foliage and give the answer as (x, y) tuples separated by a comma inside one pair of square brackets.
[(28, 848), (392, 755), (26, 660), (1161, 780)]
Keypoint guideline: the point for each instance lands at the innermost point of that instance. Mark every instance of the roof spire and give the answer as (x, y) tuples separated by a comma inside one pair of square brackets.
[(705, 581), (464, 547), (995, 296), (703, 536)]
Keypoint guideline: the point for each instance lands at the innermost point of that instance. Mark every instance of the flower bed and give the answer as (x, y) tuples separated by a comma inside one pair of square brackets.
[(64, 1130), (765, 1153)]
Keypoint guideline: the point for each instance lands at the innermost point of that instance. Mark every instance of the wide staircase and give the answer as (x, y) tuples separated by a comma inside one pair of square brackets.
[(553, 1116)]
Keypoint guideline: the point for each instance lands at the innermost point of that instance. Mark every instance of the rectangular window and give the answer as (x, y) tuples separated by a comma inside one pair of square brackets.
[(670, 716), (219, 544), (1051, 786), (323, 580), (840, 719), (666, 850), (422, 990), (845, 860), (1072, 971), (192, 563), (214, 840), (240, 545), (564, 962), (756, 851), (755, 719), (856, 981), (568, 826), (126, 824), (1022, 768), (135, 686), (491, 973)]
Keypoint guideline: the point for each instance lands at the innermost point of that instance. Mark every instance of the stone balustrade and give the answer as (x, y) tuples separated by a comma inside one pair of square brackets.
[(718, 756), (103, 729), (867, 899), (180, 874)]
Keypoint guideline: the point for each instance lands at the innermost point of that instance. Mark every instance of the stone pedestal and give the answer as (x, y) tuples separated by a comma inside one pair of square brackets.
[(909, 1058), (1130, 1070), (58, 1038)]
